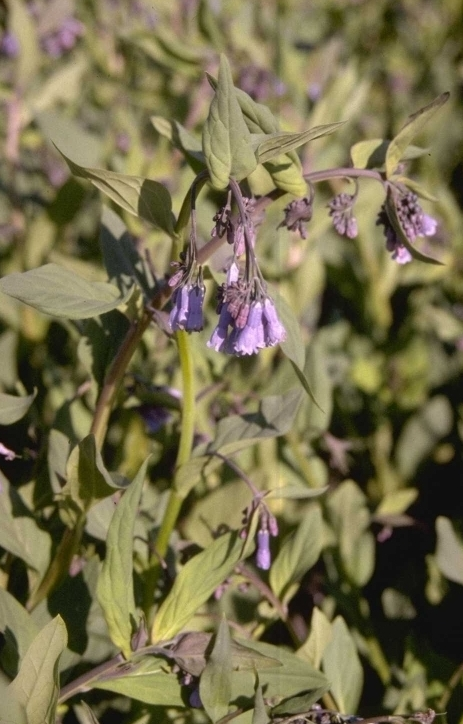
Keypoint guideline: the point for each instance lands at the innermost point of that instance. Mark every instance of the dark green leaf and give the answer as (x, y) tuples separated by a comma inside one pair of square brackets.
[(215, 682), (226, 138), (59, 292), (115, 585)]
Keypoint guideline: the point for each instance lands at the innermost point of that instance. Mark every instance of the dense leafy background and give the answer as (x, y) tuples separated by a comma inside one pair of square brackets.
[(378, 573)]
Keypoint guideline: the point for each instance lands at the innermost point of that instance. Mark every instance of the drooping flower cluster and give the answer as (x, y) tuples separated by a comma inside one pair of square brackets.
[(248, 320), (297, 214), (341, 211), (235, 230), (413, 221)]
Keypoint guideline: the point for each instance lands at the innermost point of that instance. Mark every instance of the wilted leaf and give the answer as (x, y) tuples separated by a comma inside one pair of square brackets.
[(115, 584), (215, 682), (59, 292), (36, 686), (140, 196), (342, 666), (14, 408), (226, 139)]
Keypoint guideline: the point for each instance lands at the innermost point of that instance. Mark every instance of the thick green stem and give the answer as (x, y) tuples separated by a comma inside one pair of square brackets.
[(183, 455)]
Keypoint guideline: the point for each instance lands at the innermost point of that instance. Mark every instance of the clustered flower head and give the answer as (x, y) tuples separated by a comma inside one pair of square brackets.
[(341, 211), (297, 214), (413, 221), (248, 319), (59, 41)]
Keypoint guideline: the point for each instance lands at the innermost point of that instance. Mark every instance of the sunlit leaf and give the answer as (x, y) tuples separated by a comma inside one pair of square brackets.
[(143, 197), (226, 138), (319, 637), (283, 142), (18, 629), (342, 666), (59, 292), (36, 686), (13, 408), (449, 550)]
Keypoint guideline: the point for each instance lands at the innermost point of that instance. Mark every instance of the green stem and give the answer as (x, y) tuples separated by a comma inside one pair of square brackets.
[(183, 455)]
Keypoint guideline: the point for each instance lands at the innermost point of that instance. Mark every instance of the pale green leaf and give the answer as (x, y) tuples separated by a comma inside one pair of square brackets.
[(342, 666), (36, 686), (143, 197), (412, 127), (260, 715), (283, 142), (299, 552), (147, 681), (19, 532), (182, 139), (88, 715), (196, 582), (320, 635), (23, 26), (115, 584), (18, 629), (449, 551), (422, 432), (215, 682), (13, 408), (226, 138), (295, 492), (369, 154), (60, 292), (317, 413)]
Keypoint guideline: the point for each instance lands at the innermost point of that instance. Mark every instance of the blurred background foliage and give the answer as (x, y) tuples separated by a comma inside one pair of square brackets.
[(385, 342)]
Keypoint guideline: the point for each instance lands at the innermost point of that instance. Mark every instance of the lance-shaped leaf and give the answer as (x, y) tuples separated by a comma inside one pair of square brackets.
[(295, 492), (259, 715), (13, 408), (391, 210), (147, 681), (59, 292), (282, 142), (215, 682), (36, 686), (226, 138), (87, 478), (449, 550), (196, 582), (143, 197), (412, 127), (342, 666), (372, 153), (298, 554), (115, 584)]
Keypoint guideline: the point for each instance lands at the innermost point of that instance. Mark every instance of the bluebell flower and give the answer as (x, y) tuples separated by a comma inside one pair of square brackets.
[(263, 554), (273, 328), (250, 338), (341, 211), (9, 45), (187, 312)]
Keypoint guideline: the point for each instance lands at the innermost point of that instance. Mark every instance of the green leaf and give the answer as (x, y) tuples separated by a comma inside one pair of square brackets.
[(59, 292), (197, 581), (299, 552), (260, 715), (342, 666), (320, 635), (140, 196), (449, 551), (115, 584), (318, 412), (14, 408), (403, 238), (369, 154), (18, 629), (182, 139), (147, 681), (412, 127), (88, 717), (19, 532), (280, 143), (36, 686), (295, 492), (226, 138), (215, 682), (87, 478)]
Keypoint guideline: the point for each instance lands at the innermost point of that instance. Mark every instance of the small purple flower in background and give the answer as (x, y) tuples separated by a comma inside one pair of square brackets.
[(341, 211), (9, 45), (187, 312), (58, 41), (297, 214), (7, 453), (413, 221)]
